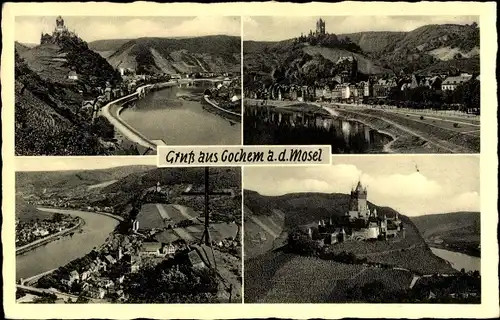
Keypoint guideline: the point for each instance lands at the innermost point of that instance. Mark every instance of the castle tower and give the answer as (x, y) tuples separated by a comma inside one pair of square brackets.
[(358, 206), (60, 25), (320, 27)]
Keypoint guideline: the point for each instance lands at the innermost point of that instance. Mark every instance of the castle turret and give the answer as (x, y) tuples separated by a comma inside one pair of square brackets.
[(320, 27), (60, 25), (358, 207)]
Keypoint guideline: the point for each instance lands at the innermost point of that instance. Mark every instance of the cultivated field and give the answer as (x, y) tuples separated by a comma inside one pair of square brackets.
[(263, 232), (418, 259), (158, 215), (278, 277)]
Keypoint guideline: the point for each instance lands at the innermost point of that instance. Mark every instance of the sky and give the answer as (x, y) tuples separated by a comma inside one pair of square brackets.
[(80, 163), (28, 28), (275, 28), (443, 183)]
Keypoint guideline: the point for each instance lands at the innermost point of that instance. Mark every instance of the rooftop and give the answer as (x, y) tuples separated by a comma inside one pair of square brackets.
[(151, 246)]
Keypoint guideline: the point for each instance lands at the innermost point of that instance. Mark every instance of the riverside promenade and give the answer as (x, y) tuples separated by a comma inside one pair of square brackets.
[(113, 109)]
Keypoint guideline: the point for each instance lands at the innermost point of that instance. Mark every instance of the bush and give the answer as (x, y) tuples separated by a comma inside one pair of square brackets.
[(455, 125), (421, 117)]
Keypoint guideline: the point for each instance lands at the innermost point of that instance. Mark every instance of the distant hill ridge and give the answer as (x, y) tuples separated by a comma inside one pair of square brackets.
[(218, 53), (451, 227)]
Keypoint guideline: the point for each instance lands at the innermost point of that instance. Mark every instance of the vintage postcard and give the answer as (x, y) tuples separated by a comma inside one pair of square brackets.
[(249, 160)]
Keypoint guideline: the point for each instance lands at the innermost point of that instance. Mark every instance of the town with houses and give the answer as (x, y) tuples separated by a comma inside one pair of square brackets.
[(30, 231), (103, 275), (346, 87)]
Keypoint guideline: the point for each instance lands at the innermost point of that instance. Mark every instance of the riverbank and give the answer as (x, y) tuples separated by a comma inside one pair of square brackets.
[(180, 116), (417, 134), (458, 260), (113, 110), (387, 147), (221, 111), (43, 241), (61, 251), (466, 251), (411, 132)]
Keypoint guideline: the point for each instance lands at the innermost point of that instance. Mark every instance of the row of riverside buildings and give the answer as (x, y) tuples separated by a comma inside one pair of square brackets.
[(355, 92)]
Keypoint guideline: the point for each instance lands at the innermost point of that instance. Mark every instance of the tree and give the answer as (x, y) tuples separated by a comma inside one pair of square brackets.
[(57, 217), (103, 128)]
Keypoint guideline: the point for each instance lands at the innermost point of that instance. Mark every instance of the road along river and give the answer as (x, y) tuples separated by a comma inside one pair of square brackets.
[(176, 116), (59, 252)]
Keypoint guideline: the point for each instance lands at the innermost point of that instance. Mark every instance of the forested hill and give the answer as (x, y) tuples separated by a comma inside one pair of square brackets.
[(430, 47), (459, 231), (49, 116), (217, 53)]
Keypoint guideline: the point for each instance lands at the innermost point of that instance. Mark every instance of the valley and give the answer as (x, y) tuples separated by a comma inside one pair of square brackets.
[(136, 222), (275, 273)]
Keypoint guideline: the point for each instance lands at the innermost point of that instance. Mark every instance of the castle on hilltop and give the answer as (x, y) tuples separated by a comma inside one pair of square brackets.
[(358, 223), (59, 31), (320, 30), (320, 27)]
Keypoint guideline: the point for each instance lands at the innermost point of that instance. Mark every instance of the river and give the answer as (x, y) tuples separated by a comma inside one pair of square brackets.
[(459, 260), (176, 116), (67, 248), (345, 136)]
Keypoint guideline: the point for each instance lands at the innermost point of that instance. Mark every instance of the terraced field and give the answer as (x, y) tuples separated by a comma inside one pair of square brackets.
[(263, 233), (418, 259), (308, 280), (278, 277), (159, 215)]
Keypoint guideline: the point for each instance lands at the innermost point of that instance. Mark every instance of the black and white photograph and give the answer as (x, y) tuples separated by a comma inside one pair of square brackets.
[(124, 85), (363, 84), (128, 234), (378, 229)]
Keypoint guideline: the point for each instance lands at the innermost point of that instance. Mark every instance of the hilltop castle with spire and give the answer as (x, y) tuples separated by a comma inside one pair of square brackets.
[(359, 222), (320, 27), (60, 31)]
